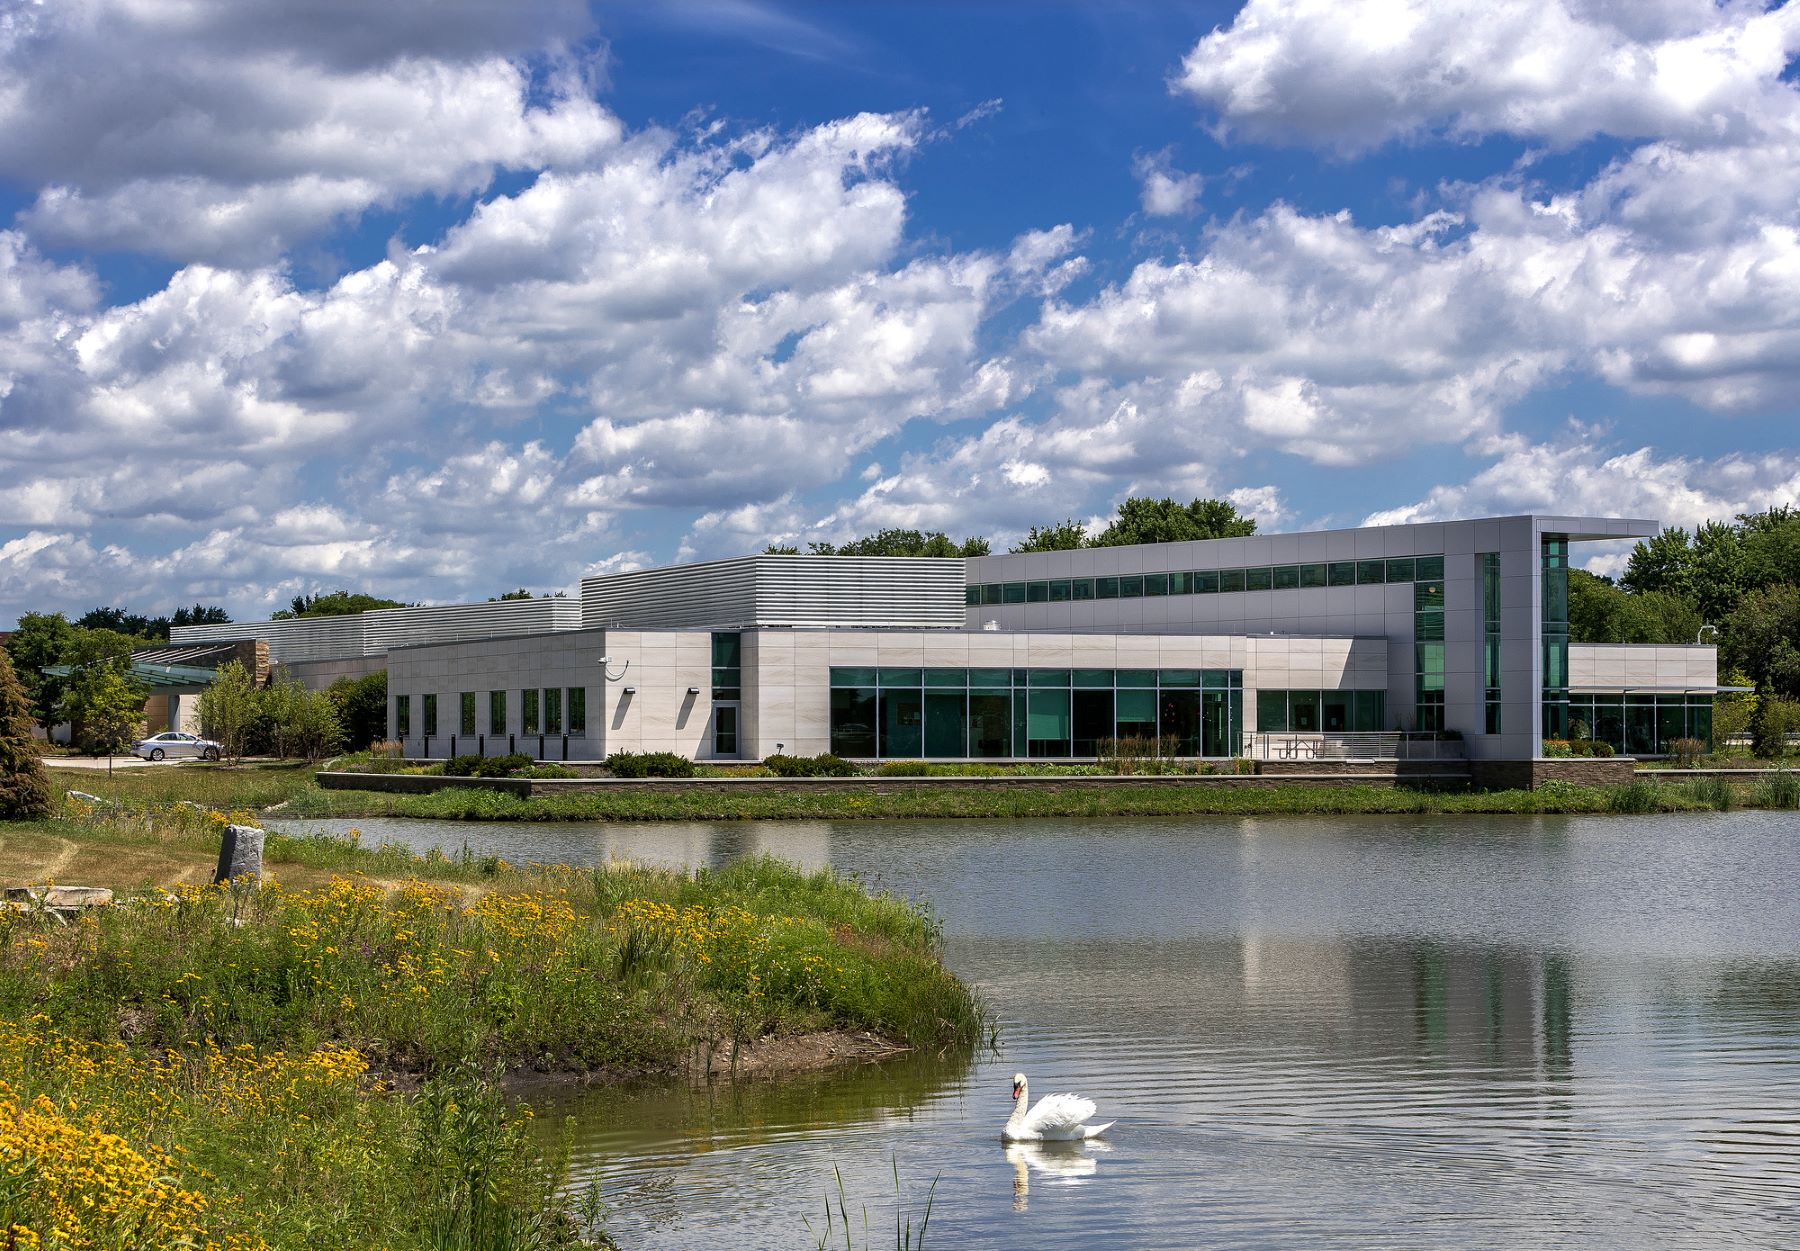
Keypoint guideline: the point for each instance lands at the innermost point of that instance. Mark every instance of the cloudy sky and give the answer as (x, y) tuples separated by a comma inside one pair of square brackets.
[(440, 299)]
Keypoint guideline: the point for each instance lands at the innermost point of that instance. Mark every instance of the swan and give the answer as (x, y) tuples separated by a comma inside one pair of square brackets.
[(1056, 1118)]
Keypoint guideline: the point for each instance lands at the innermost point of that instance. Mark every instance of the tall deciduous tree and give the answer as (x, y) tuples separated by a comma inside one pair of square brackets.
[(228, 708), (24, 788), (904, 543), (1762, 637), (362, 709), (1064, 536), (1600, 612), (333, 604), (1165, 521), (105, 708), (42, 639)]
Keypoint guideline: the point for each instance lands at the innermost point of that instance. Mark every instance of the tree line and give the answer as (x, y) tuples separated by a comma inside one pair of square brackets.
[(1735, 582), (1138, 521)]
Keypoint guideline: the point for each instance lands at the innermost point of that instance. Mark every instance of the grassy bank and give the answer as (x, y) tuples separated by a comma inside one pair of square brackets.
[(220, 1067), (703, 803)]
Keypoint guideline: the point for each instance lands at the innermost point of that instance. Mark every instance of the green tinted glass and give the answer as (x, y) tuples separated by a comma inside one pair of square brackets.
[(1287, 577), (852, 677), (1262, 579)]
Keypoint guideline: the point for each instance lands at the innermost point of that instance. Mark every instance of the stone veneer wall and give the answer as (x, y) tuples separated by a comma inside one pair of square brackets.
[(1528, 775)]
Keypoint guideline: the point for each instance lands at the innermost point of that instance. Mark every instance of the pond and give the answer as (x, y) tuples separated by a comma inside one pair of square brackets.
[(1346, 1032)]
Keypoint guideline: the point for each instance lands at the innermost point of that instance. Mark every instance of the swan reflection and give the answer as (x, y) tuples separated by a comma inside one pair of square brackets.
[(1061, 1163)]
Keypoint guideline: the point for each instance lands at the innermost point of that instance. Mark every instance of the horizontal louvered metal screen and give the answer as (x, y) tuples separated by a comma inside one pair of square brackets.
[(388, 628), (796, 591), (376, 633), (302, 639)]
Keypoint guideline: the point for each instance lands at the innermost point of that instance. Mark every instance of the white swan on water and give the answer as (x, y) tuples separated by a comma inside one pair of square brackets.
[(1056, 1118)]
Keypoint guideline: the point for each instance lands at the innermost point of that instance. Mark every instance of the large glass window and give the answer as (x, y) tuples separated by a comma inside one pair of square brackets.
[(990, 722), (1092, 719), (727, 665), (1131, 587), (466, 710), (577, 709), (1312, 575), (1180, 717), (1285, 577), (1428, 634), (1554, 570), (1136, 714), (1218, 734), (902, 723), (1013, 593), (1335, 716), (1037, 592), (1271, 710), (1206, 582), (496, 712), (1181, 583), (1341, 573), (1490, 641), (1400, 570), (1047, 723), (528, 712), (1303, 710), (431, 723), (1083, 588), (403, 715), (1231, 580), (1106, 588), (553, 710), (1370, 571), (946, 724), (1262, 579), (853, 713)]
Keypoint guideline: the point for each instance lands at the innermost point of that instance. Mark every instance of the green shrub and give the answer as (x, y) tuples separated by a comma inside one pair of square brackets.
[(905, 769), (1633, 797), (1779, 790), (824, 765), (547, 770), (1604, 749), (1713, 793), (1687, 751), (1557, 748), (649, 764), (486, 766)]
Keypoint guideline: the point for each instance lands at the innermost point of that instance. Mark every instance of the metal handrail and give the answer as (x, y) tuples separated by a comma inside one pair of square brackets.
[(1302, 745)]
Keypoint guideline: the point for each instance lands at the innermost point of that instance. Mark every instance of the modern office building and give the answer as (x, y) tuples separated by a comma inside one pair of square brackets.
[(1215, 648)]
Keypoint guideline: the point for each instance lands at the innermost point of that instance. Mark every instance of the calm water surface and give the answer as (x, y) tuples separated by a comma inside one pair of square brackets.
[(1395, 1033)]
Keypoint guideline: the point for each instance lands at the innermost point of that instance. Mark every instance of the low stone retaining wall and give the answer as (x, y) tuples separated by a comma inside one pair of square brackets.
[(1511, 775), (417, 784)]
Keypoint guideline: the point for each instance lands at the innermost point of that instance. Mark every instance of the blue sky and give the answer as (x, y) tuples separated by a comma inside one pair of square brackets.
[(436, 300)]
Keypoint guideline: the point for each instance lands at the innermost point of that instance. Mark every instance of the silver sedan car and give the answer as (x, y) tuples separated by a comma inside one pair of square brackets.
[(175, 743)]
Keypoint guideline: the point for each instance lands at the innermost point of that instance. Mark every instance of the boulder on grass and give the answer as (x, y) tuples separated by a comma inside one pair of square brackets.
[(240, 854)]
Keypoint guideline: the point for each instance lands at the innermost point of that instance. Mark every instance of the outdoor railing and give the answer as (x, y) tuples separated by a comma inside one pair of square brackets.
[(1371, 745)]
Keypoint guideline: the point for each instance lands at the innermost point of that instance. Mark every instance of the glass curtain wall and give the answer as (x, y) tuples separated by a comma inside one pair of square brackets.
[(1554, 561), (1208, 581), (1490, 639), (1643, 724), (952, 714), (1428, 644), (1329, 712)]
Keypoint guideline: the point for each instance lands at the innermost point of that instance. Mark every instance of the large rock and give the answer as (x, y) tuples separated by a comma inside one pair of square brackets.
[(240, 854), (77, 897)]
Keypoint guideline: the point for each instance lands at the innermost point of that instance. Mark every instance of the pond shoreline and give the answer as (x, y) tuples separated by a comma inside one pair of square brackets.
[(987, 798)]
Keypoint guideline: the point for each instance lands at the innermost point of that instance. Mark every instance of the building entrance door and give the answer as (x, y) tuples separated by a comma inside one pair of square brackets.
[(725, 730)]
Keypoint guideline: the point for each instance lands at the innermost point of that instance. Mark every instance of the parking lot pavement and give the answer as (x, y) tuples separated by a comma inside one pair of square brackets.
[(99, 762)]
